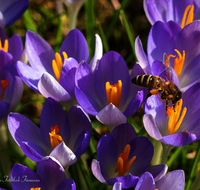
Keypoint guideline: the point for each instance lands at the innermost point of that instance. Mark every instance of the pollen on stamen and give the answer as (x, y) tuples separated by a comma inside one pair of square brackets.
[(5, 47), (35, 188), (4, 84), (188, 16), (113, 92), (122, 165), (175, 119), (57, 64), (55, 139)]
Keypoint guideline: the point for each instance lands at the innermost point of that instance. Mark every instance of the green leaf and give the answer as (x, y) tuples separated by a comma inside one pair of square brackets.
[(29, 22)]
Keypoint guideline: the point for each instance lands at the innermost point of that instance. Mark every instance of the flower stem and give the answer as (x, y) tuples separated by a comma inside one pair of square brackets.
[(193, 172), (157, 153), (73, 13), (165, 153)]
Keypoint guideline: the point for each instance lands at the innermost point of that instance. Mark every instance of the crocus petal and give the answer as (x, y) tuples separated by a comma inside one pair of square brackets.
[(75, 46), (85, 89), (117, 186), (78, 126), (15, 11), (96, 170), (146, 182), (17, 93), (23, 177), (159, 36), (29, 75), (64, 155), (172, 180), (4, 107), (158, 171), (2, 31), (123, 134), (141, 56), (67, 184), (107, 156), (53, 114), (23, 129), (142, 148), (151, 127), (51, 172), (67, 77), (39, 52), (5, 58), (111, 115), (179, 139), (49, 87), (31, 151), (82, 143), (127, 181), (98, 52), (155, 10), (15, 47), (108, 71)]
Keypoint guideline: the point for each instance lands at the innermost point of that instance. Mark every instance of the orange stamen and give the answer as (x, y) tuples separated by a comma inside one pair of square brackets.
[(36, 188), (174, 120), (4, 84), (188, 16), (122, 165), (5, 47), (114, 92), (178, 62), (55, 139), (57, 64)]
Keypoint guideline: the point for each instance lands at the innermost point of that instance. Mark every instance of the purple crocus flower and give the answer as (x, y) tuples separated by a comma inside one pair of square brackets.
[(51, 74), (182, 12), (181, 126), (50, 175), (11, 86), (123, 157), (179, 46), (172, 180), (65, 137), (107, 92), (10, 11)]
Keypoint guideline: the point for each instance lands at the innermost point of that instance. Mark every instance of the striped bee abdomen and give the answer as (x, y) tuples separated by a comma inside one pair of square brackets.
[(147, 81)]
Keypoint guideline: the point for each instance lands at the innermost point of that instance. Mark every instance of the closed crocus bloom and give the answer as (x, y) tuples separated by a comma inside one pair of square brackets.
[(52, 74), (50, 175), (182, 12), (65, 137), (172, 180), (10, 11), (123, 157), (107, 92)]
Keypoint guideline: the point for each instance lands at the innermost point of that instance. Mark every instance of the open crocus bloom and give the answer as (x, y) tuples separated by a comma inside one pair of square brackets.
[(179, 126), (182, 12), (107, 91), (10, 11), (123, 157), (180, 46), (172, 180), (52, 74), (50, 175), (65, 137)]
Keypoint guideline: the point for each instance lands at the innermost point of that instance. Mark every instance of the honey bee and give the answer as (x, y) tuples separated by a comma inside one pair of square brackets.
[(168, 90)]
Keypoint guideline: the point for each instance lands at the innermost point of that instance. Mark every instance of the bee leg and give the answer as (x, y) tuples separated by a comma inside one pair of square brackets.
[(147, 96), (166, 104)]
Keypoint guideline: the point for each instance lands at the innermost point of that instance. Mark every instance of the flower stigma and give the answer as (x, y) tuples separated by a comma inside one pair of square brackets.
[(122, 165), (178, 62), (174, 123), (55, 139), (57, 64), (5, 47), (188, 16), (114, 92), (4, 84)]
